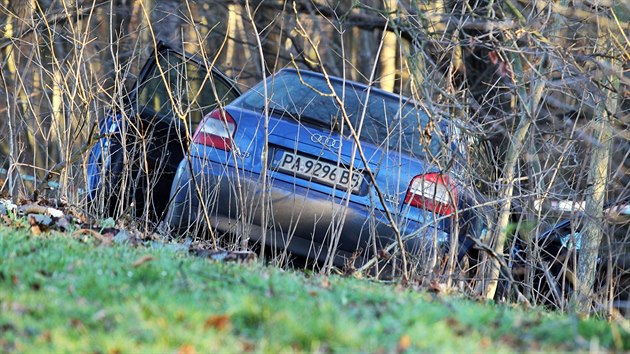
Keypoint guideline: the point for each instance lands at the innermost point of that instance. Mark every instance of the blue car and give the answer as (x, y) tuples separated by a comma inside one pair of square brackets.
[(145, 135), (323, 168), (545, 267)]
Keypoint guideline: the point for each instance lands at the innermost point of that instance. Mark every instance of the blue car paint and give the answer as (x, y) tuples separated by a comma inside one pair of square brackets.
[(226, 216), (403, 167), (99, 159), (393, 172), (105, 166)]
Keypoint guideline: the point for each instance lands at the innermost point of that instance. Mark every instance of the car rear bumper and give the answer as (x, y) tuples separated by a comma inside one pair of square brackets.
[(284, 216)]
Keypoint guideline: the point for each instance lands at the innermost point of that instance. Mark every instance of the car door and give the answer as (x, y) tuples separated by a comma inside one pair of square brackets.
[(134, 164)]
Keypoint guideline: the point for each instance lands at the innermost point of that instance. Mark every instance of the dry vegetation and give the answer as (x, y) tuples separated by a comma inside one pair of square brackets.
[(539, 88)]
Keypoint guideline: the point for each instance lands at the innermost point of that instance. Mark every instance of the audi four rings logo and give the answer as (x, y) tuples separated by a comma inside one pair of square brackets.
[(326, 141)]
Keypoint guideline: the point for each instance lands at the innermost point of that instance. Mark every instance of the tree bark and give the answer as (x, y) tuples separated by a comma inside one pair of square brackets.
[(515, 147), (388, 54), (592, 232)]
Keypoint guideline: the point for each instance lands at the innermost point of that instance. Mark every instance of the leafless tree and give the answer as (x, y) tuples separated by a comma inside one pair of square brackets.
[(539, 91)]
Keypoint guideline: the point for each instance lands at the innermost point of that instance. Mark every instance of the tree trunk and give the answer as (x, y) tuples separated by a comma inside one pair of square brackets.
[(17, 19), (388, 54), (592, 232), (528, 101)]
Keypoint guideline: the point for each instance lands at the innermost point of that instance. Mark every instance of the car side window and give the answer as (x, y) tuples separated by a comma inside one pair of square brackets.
[(179, 86)]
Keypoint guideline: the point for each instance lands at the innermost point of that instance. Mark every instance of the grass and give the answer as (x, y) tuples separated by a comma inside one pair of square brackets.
[(62, 294)]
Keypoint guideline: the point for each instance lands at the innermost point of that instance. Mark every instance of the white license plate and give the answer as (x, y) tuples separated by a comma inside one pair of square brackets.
[(320, 171)]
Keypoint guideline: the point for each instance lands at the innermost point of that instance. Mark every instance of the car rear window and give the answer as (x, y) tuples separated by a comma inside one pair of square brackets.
[(390, 121)]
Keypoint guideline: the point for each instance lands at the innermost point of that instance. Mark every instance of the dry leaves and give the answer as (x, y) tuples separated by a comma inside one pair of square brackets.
[(436, 287), (404, 343), (186, 349), (85, 234), (142, 260), (325, 283), (35, 228), (218, 322)]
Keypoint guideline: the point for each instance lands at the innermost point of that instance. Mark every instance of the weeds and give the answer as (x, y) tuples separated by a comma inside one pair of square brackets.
[(536, 90)]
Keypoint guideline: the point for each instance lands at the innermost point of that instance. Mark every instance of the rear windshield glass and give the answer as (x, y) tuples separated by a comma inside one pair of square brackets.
[(390, 121)]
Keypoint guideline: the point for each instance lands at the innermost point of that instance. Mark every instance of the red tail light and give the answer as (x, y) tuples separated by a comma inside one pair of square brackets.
[(433, 192), (216, 130)]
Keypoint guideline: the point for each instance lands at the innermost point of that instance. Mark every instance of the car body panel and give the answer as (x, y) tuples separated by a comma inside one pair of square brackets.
[(235, 200), (550, 260), (237, 185), (143, 141)]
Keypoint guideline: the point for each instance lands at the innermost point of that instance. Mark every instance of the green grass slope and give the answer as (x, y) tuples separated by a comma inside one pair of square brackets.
[(61, 294)]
